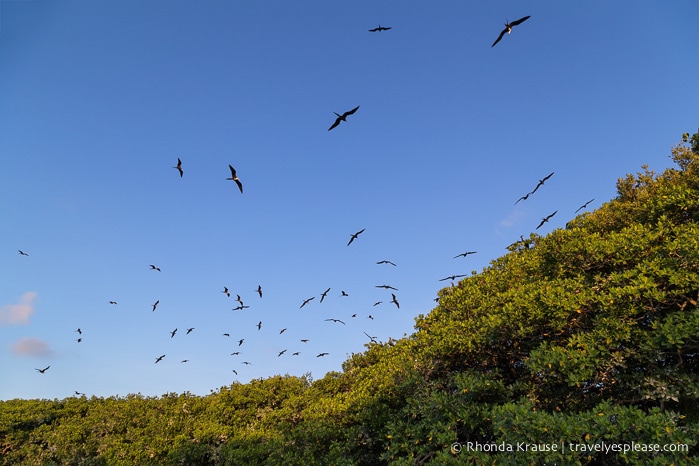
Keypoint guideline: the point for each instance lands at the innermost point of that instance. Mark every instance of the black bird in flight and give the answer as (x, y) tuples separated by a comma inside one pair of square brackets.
[(508, 28), (296, 353), (342, 117), (335, 321), (355, 235), (370, 317), (304, 340), (373, 339), (43, 370), (281, 352), (259, 290), (523, 198), (386, 262), (79, 331), (240, 342), (545, 219), (79, 340), (226, 334), (344, 293), (541, 182), (247, 363), (179, 167), (112, 302), (322, 354), (377, 303), (395, 301), (465, 254), (259, 325), (282, 331), (172, 334), (240, 308), (22, 253), (324, 294), (189, 330), (388, 287), (155, 304), (235, 353), (453, 277), (379, 29), (79, 394), (584, 205), (158, 359), (185, 360), (152, 267), (234, 177), (307, 301), (235, 372), (226, 292), (239, 299)]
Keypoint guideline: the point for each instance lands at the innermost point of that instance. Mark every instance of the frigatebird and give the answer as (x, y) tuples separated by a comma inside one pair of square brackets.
[(240, 342), (296, 353), (240, 308), (453, 277), (508, 28), (179, 167), (304, 340), (541, 182), (282, 331), (239, 299), (344, 293), (395, 301), (388, 287), (226, 292), (584, 205), (335, 321), (355, 235), (43, 370), (22, 253), (185, 360), (377, 303), (306, 301), (234, 177), (546, 219), (379, 29), (465, 254), (189, 330), (155, 304), (523, 198), (226, 334), (342, 117), (79, 331), (259, 290), (172, 334), (386, 262), (112, 302), (322, 354), (281, 352), (158, 359), (373, 339), (79, 394), (152, 267), (324, 294), (259, 325), (235, 353), (247, 363)]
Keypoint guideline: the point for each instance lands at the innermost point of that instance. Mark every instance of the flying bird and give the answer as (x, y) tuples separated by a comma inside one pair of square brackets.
[(235, 372), (185, 360), (282, 331), (395, 301), (304, 340), (373, 339), (22, 253), (247, 363), (307, 301), (322, 354), (335, 321), (189, 330), (235, 353), (79, 394), (79, 331), (240, 342), (259, 290), (453, 277), (155, 304), (234, 177), (281, 352), (112, 302), (158, 359), (240, 308), (541, 182), (296, 353), (239, 299), (344, 293), (79, 340), (259, 325), (388, 287), (226, 334), (386, 262), (324, 294), (546, 219), (179, 167), (342, 117), (584, 205), (379, 29), (172, 334), (377, 303), (43, 370), (465, 254), (152, 267), (226, 292), (508, 28), (523, 198), (355, 235)]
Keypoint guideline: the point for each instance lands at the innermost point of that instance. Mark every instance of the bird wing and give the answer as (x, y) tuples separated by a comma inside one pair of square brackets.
[(350, 113), (373, 30), (240, 185), (520, 21), (550, 174), (337, 122), (502, 33), (232, 171)]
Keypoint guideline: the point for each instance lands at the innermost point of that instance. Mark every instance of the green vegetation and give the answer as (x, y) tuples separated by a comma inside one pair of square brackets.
[(588, 335)]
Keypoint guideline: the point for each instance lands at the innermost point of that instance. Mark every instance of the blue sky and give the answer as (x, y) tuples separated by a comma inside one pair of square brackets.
[(99, 99)]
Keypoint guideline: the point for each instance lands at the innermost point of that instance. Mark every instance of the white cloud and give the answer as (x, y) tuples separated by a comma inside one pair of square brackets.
[(16, 314), (31, 347)]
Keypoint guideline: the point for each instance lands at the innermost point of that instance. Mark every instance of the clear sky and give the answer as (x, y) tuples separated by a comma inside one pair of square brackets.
[(99, 99)]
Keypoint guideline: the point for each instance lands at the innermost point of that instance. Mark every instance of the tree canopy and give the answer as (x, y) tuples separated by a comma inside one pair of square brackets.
[(578, 347)]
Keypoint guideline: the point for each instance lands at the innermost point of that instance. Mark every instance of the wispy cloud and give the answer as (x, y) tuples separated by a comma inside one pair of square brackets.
[(18, 314), (31, 347), (512, 219)]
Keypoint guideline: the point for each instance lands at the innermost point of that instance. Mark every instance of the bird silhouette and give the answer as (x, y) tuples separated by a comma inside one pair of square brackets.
[(189, 330), (79, 331), (240, 342), (282, 331), (22, 253), (226, 334), (235, 353), (342, 117), (239, 299), (523, 198), (235, 372), (112, 302), (321, 355), (296, 353), (259, 325), (465, 254), (324, 294), (179, 167), (43, 370), (259, 290), (386, 262), (79, 340), (304, 340), (226, 292), (373, 339), (234, 177), (355, 236), (152, 267), (584, 205), (453, 277), (508, 28), (379, 29), (79, 394), (395, 301), (545, 219), (159, 358), (377, 303), (155, 304), (185, 360), (240, 308), (247, 363), (541, 182), (172, 334), (344, 293), (307, 301), (281, 352), (335, 321), (370, 317), (388, 287)]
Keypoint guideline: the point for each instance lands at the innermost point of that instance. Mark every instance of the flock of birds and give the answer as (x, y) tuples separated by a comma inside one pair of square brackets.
[(241, 306)]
